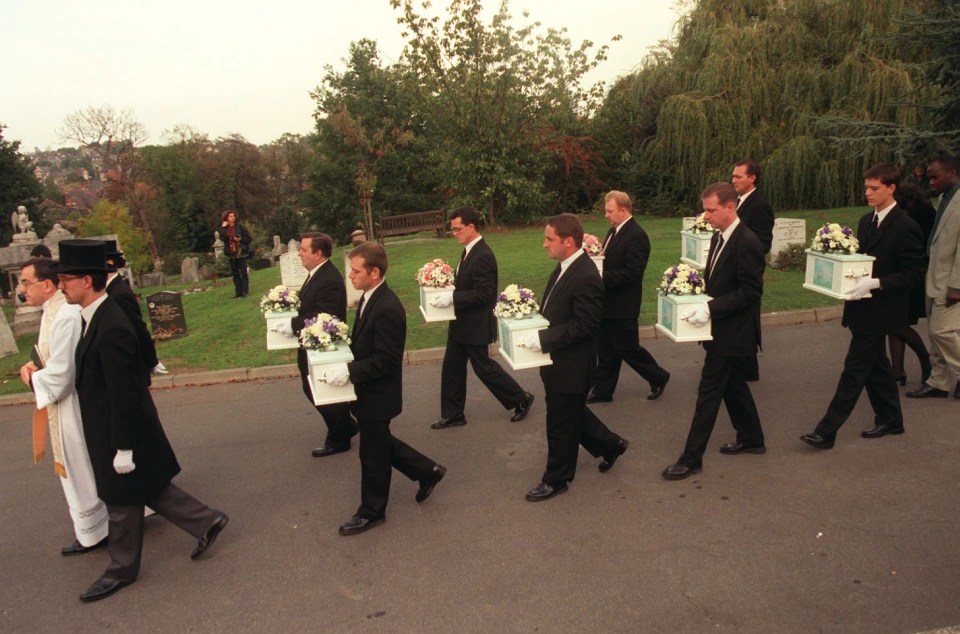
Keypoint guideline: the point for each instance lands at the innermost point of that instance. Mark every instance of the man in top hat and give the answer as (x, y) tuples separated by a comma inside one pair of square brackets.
[(133, 463), (119, 289)]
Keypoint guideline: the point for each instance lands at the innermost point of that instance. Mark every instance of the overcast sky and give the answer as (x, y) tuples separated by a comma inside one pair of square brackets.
[(236, 66)]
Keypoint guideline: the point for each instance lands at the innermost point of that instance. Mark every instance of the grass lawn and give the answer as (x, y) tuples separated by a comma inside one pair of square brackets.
[(229, 333)]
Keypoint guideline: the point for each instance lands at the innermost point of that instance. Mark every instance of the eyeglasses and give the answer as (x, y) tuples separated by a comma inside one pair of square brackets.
[(456, 230), (27, 283)]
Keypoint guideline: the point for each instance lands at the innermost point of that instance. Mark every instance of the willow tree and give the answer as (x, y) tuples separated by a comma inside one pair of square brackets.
[(749, 78)]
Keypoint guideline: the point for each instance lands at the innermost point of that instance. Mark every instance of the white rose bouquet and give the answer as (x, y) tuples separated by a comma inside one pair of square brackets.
[(682, 280), (834, 238), (516, 303), (280, 299), (700, 225), (324, 333)]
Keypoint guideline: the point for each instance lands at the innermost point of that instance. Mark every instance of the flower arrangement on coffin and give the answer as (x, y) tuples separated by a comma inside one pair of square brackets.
[(324, 333), (592, 245), (516, 303), (682, 279), (280, 299), (834, 238), (435, 274), (700, 225)]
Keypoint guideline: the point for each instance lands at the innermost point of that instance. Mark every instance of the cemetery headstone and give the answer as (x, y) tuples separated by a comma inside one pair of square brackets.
[(787, 231), (189, 270), (292, 273), (166, 315)]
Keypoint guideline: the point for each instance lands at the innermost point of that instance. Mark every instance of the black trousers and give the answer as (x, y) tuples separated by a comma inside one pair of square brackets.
[(570, 423), (125, 532), (340, 424), (722, 380), (380, 453), (241, 283), (619, 342), (866, 366), (453, 378)]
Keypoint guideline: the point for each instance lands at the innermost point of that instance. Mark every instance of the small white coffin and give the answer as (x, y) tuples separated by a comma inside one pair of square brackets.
[(317, 364), (670, 321), (694, 248), (511, 332), (432, 313), (598, 260), (275, 340), (834, 274)]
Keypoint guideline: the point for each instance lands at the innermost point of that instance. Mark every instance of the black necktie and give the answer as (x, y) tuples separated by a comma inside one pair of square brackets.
[(610, 236), (874, 227), (716, 252), (463, 256), (363, 298), (739, 200)]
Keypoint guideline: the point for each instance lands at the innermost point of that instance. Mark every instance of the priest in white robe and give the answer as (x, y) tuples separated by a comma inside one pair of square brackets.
[(57, 404)]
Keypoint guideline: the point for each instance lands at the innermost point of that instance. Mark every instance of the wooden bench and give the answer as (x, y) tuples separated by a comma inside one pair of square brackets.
[(404, 224)]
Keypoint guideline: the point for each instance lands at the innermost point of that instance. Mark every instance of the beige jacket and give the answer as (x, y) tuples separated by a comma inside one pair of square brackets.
[(943, 271)]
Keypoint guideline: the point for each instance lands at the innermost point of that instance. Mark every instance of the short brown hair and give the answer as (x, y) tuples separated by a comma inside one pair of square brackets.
[(567, 225), (373, 255), (319, 242), (752, 167), (724, 192), (622, 199), (468, 216), (886, 173), (41, 268)]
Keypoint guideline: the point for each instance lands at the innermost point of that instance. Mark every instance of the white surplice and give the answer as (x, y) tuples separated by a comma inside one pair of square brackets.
[(60, 331)]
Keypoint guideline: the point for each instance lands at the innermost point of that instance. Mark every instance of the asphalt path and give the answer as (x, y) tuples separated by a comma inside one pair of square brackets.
[(861, 538)]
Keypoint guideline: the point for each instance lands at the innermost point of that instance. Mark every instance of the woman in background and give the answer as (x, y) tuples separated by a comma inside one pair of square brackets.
[(237, 244)]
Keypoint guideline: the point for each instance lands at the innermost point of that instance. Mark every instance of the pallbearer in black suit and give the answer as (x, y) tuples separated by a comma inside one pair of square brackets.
[(322, 292), (378, 337), (133, 463), (888, 234), (755, 212), (734, 281), (573, 304), (475, 328), (626, 251)]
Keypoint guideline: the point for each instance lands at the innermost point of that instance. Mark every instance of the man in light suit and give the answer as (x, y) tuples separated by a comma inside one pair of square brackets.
[(377, 340), (755, 212), (896, 241), (626, 251), (322, 292), (573, 304), (133, 463), (943, 283), (734, 282), (475, 328)]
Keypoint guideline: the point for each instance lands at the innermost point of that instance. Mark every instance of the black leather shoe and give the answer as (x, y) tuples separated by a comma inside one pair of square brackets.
[(594, 397), (544, 491), (925, 391), (679, 471), (611, 459), (356, 525), (76, 548), (733, 448), (454, 421), (426, 485), (656, 389), (103, 588), (818, 441), (879, 431), (522, 409), (210, 536), (327, 450)]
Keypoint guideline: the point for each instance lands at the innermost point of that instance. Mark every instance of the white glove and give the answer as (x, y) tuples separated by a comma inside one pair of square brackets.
[(863, 288), (284, 328), (160, 369), (337, 376), (442, 300), (531, 342), (123, 461), (698, 316)]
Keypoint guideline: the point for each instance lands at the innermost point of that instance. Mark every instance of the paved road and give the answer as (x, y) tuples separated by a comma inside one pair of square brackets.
[(862, 538)]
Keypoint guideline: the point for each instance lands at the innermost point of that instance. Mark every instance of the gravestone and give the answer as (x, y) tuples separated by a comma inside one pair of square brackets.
[(8, 344), (166, 315), (259, 264), (189, 270), (53, 238), (787, 231), (277, 249), (151, 279), (292, 273)]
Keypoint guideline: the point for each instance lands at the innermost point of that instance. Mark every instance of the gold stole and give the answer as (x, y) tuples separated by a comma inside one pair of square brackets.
[(49, 416)]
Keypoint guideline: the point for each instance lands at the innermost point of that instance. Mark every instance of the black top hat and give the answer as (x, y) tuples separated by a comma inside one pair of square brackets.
[(81, 256), (112, 254)]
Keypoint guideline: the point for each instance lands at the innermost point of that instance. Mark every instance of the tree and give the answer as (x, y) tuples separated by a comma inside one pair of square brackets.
[(18, 185), (114, 218)]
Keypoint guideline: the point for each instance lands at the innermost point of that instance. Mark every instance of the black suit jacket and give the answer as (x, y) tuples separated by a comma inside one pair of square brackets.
[(900, 265), (735, 283), (624, 263), (325, 292), (118, 412), (474, 298), (377, 367), (123, 295), (757, 214), (574, 308)]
